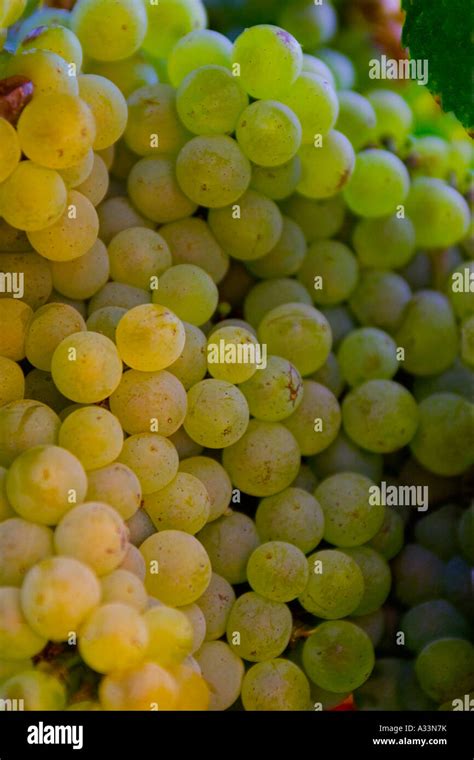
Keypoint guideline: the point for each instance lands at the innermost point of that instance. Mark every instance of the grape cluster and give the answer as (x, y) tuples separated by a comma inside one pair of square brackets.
[(237, 309)]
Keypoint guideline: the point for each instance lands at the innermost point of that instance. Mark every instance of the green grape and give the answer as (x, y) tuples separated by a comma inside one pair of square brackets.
[(147, 686), (343, 455), (268, 132), (467, 340), (198, 622), (44, 482), (329, 272), (429, 156), (170, 635), (299, 333), (393, 116), (231, 322), (147, 401), (113, 637), (276, 182), (385, 242), (233, 354), (330, 375), (48, 72), (444, 440), (84, 276), (77, 173), (267, 295), (278, 571), (306, 479), (213, 171), (380, 298), (32, 197), (117, 295), (418, 575), (18, 640), (154, 189), (22, 545), (218, 414), (350, 518), (95, 186), (430, 621), (9, 668), (150, 337), (123, 587), (378, 185), (23, 425), (189, 291), (293, 516), (57, 595), (93, 435), (153, 459), (367, 354), (129, 74), (388, 541), (274, 392), (287, 255), (356, 119), (428, 334), (269, 60), (117, 214), (70, 236), (56, 38), (191, 365), (108, 106), (198, 48), (178, 569), (311, 24), (36, 690), (229, 541), (192, 242), (105, 321), (116, 485), (465, 533), (183, 505), (457, 379), (439, 213), (153, 123), (50, 325), (335, 586), (338, 656), (223, 670), (86, 367), (138, 255), (6, 510), (169, 21), (210, 100), (372, 624), (12, 381), (134, 562), (36, 271), (216, 603), (377, 578), (316, 66), (10, 149), (316, 422), (109, 30), (327, 168), (215, 479), (123, 162), (318, 219), (445, 668), (264, 461), (139, 524), (15, 319), (314, 101), (258, 629), (462, 297), (275, 685)]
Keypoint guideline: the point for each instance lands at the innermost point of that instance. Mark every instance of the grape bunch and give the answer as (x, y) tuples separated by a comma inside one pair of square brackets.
[(236, 369)]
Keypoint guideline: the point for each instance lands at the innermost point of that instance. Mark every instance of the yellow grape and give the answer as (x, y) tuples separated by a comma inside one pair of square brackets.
[(82, 277), (24, 424), (153, 459), (74, 175), (124, 587), (15, 318), (93, 435), (150, 337), (116, 485), (49, 325), (32, 197), (48, 71), (10, 151), (183, 504), (72, 235), (94, 187), (109, 30), (146, 687), (12, 381), (108, 107), (170, 635), (86, 367), (22, 545), (114, 637), (17, 639)]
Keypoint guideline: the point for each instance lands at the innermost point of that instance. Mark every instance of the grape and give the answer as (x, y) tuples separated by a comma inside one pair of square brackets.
[(380, 415), (117, 214), (84, 276), (12, 381), (372, 624), (105, 321), (191, 242), (129, 74), (35, 690), (338, 656), (278, 571), (113, 637), (430, 621), (417, 574), (49, 72), (216, 603), (198, 48), (275, 685), (330, 375), (137, 255), (169, 21), (467, 340), (223, 670), (377, 578), (178, 569), (22, 545), (457, 379), (48, 327), (210, 100), (212, 171), (258, 629), (153, 124), (233, 354), (293, 516), (10, 150), (6, 510), (117, 295), (378, 185), (335, 586), (198, 623), (215, 479), (86, 367), (95, 187), (78, 172), (149, 400), (148, 686), (170, 635), (191, 366), (268, 132), (9, 668), (316, 422), (23, 425), (444, 440), (319, 219), (139, 524), (44, 482), (183, 505), (385, 242), (439, 213), (380, 298), (276, 182), (299, 333), (150, 337), (311, 24), (438, 531), (32, 197), (72, 235), (153, 188), (134, 562), (326, 169), (388, 541), (108, 106), (462, 300), (329, 272), (267, 295), (189, 291), (317, 66), (269, 60), (18, 640), (286, 257), (306, 479), (367, 354), (123, 587), (58, 39), (314, 101), (445, 668), (57, 595), (217, 414), (393, 116), (109, 30), (185, 446), (274, 392), (36, 270), (153, 459), (15, 318), (229, 541), (93, 435), (343, 455), (356, 119), (46, 16)]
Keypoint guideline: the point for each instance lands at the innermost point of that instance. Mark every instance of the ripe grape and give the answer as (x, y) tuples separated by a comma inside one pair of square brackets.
[(86, 367), (229, 541), (217, 415), (154, 189), (36, 690), (388, 541), (356, 118), (10, 150), (275, 685), (23, 425), (393, 116), (93, 435), (269, 59), (274, 392), (22, 545), (183, 504), (367, 354), (117, 214), (153, 125), (444, 443), (380, 298), (15, 319), (170, 635), (286, 256), (329, 272), (32, 197), (108, 106), (223, 670), (147, 686), (189, 291), (56, 38), (276, 182), (48, 71), (109, 30), (267, 295), (210, 100), (319, 219), (326, 168), (335, 585), (293, 516), (137, 255), (257, 628), (192, 242), (316, 422), (124, 587), (153, 459), (17, 639), (378, 185), (377, 578), (314, 101), (169, 21), (268, 132), (113, 637), (445, 668), (145, 401), (387, 242), (150, 337), (430, 621), (338, 656), (278, 571), (215, 479), (216, 603)]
